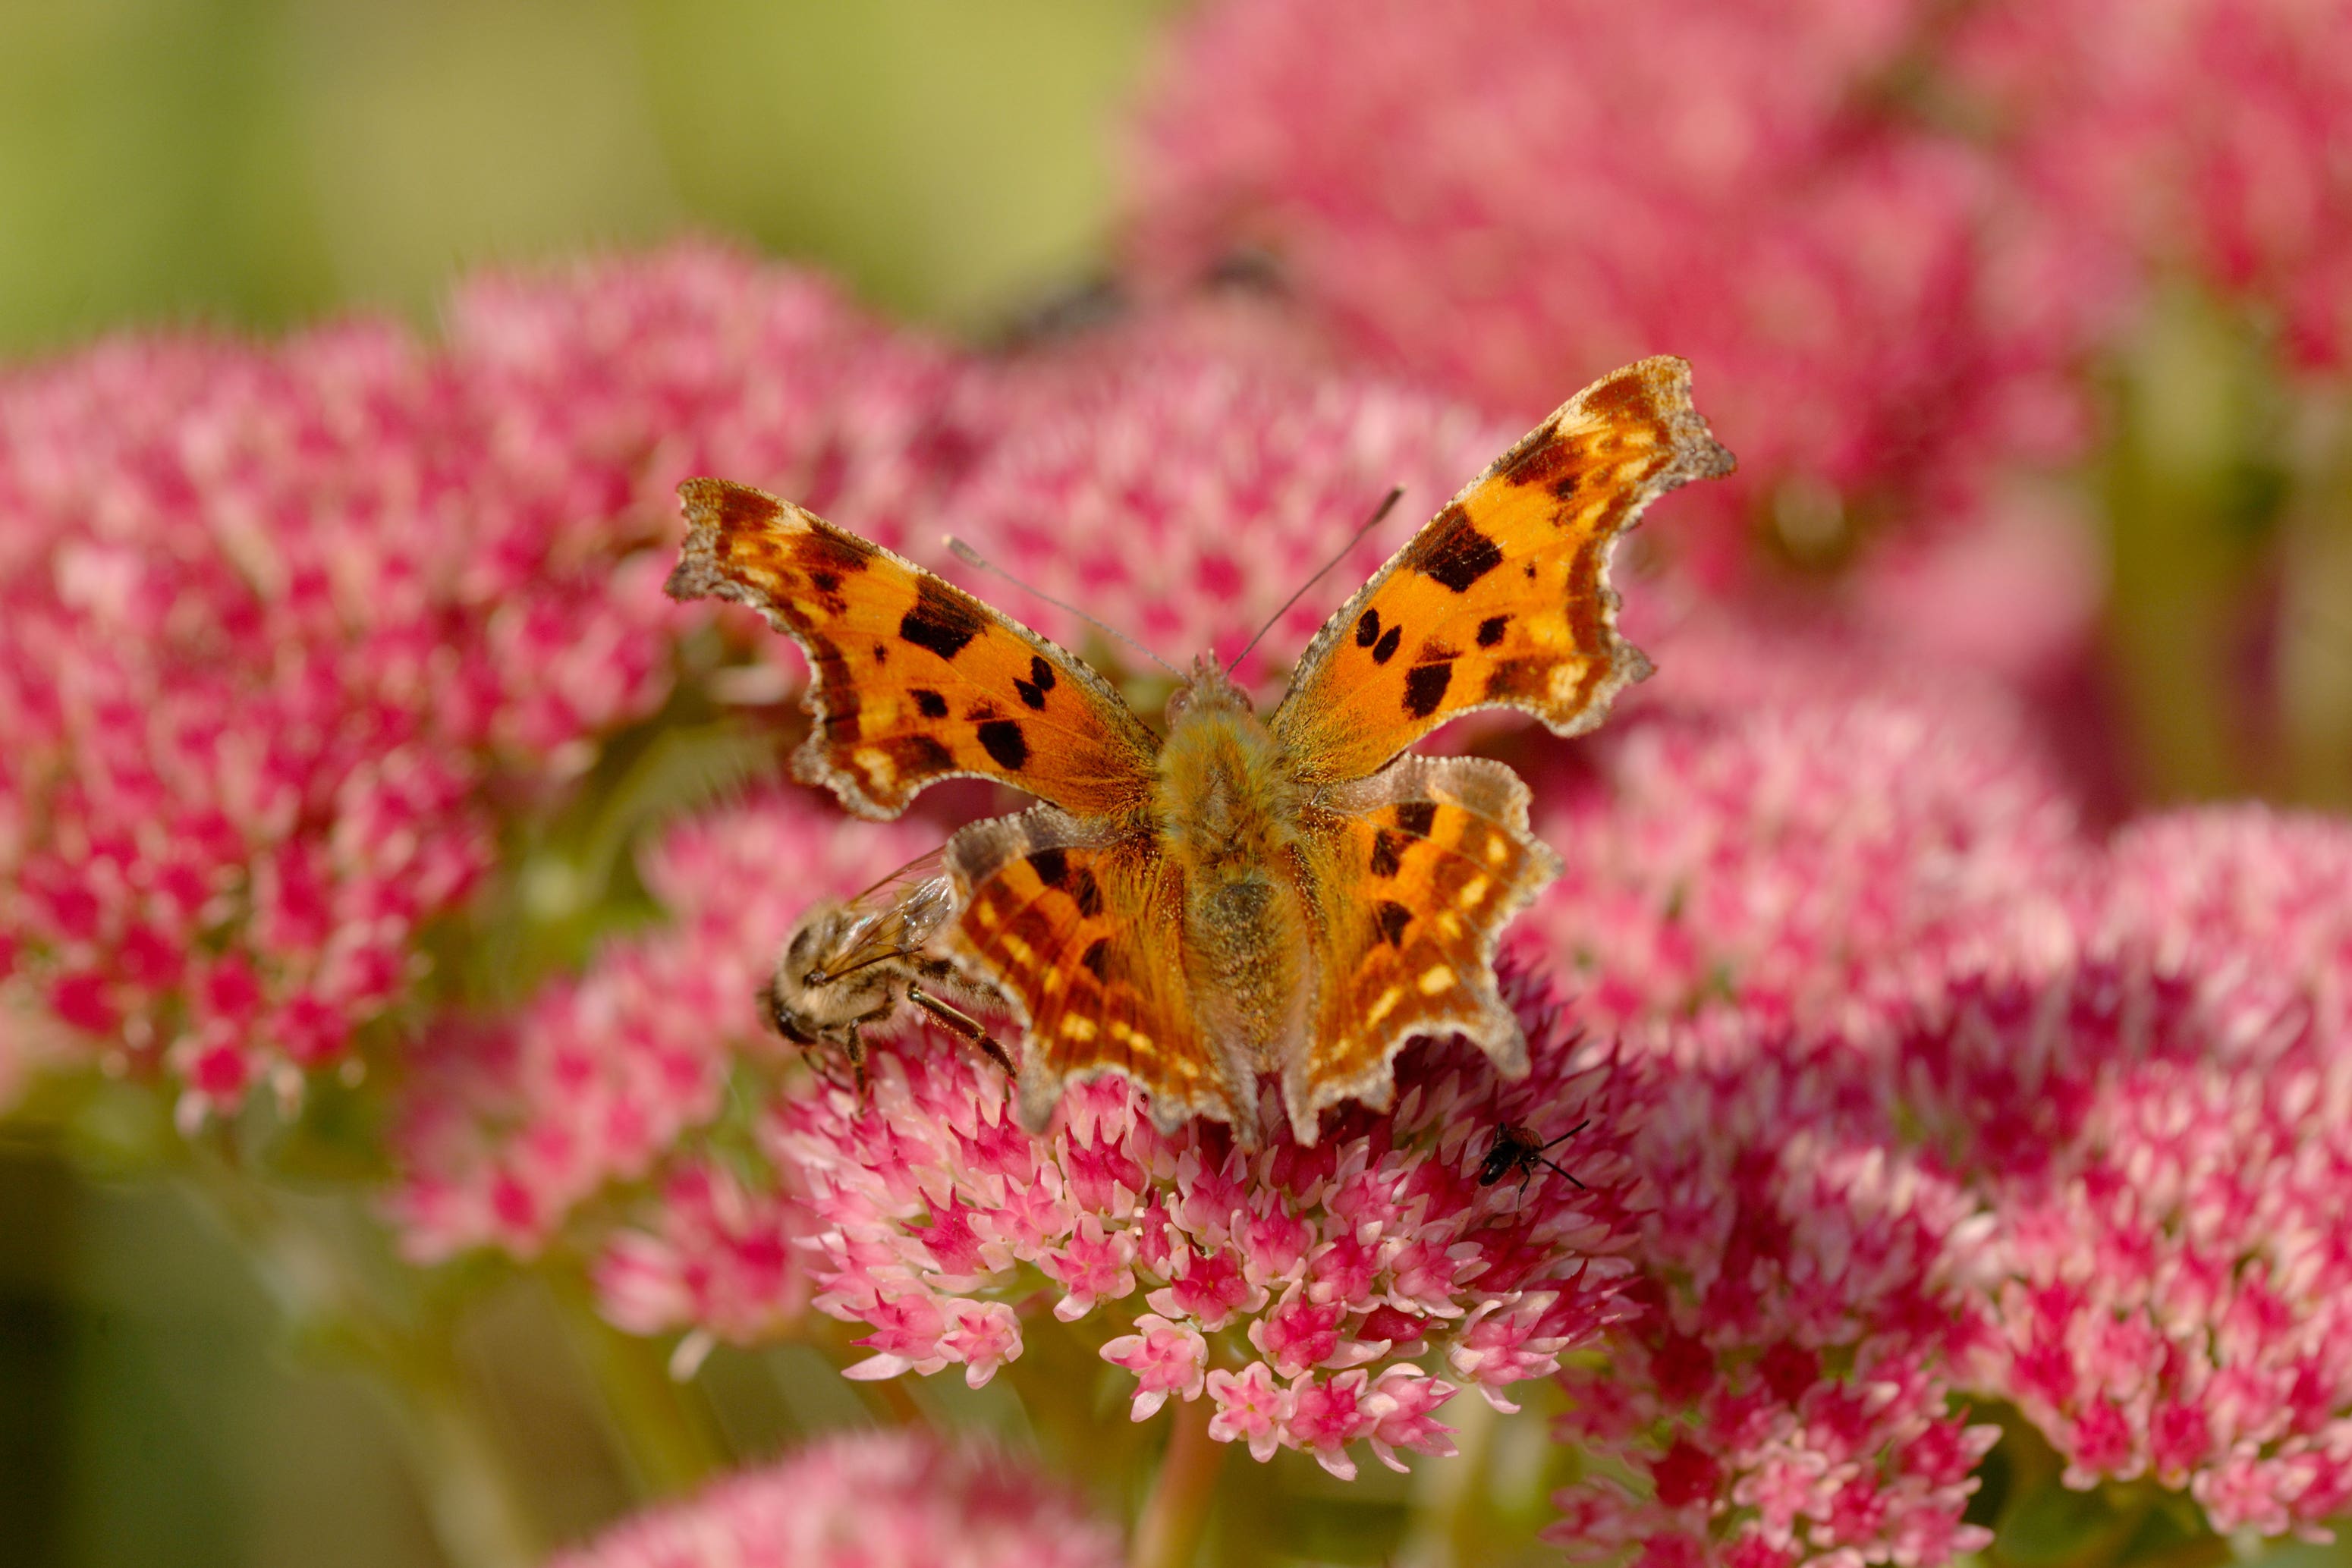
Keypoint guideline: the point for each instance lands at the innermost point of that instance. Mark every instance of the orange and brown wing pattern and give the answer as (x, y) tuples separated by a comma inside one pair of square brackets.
[(1082, 938), (911, 679), (1421, 866), (1503, 598)]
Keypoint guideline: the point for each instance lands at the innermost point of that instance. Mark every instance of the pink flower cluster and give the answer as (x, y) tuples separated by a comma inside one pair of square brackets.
[(1514, 194), (1800, 834), (283, 632), (1784, 1390), (1317, 1297), (2160, 1130), (874, 1501), (2085, 1161), (2196, 135)]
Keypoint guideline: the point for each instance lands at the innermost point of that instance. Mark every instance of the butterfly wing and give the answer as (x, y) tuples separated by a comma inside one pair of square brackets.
[(1083, 936), (1418, 870), (911, 680), (1503, 598)]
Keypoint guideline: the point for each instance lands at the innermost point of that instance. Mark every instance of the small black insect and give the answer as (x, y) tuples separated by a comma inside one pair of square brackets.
[(1515, 1149)]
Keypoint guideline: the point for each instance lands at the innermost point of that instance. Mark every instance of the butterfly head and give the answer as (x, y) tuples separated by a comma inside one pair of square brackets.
[(1208, 689)]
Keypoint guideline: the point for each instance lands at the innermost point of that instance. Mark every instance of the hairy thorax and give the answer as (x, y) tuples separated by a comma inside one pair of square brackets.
[(1228, 805)]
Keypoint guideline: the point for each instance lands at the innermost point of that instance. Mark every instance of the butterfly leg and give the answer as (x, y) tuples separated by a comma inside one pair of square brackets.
[(962, 1023)]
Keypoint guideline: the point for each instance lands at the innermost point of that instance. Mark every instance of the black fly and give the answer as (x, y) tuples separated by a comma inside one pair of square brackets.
[(1515, 1149)]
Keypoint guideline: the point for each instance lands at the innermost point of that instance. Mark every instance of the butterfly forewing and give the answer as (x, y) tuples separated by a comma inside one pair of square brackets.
[(1503, 598), (912, 680)]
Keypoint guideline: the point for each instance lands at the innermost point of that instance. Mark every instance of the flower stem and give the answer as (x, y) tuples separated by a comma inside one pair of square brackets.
[(1168, 1535)]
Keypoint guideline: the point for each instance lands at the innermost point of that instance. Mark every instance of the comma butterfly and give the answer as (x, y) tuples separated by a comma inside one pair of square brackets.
[(1295, 895)]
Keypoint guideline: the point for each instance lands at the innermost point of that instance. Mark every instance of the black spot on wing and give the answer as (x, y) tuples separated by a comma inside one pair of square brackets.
[(930, 704), (1386, 648), (1041, 681), (1391, 919), (917, 755), (942, 620), (1003, 740), (881, 654), (1451, 551), (1087, 891), (1490, 630), (1095, 959), (1424, 688), (1368, 627), (1512, 678), (739, 507), (1051, 865), (1387, 853), (1416, 817)]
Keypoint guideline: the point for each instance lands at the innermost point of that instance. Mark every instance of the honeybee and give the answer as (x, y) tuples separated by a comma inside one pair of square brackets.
[(852, 962)]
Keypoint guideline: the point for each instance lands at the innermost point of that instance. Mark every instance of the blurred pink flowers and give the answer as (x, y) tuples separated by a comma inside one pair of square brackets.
[(876, 1500), (288, 631), (1880, 319)]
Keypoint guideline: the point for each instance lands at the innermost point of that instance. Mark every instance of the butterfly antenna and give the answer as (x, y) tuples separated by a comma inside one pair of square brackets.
[(1388, 505), (970, 556)]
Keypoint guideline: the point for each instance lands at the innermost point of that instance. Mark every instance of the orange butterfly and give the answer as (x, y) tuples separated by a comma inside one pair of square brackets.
[(1295, 894)]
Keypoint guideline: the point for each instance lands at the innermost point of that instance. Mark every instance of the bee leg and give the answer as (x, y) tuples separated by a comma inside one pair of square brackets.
[(1526, 1173), (960, 1023), (854, 1046)]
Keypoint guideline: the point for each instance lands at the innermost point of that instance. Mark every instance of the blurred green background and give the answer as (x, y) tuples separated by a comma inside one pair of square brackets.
[(257, 165), (261, 163)]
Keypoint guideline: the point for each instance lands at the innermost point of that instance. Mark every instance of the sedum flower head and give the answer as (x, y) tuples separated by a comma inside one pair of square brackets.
[(1319, 1297)]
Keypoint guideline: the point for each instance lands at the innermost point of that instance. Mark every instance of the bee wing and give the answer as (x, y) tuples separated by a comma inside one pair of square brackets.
[(895, 916)]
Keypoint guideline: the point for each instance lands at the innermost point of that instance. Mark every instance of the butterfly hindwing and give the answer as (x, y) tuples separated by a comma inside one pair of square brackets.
[(911, 679), (1082, 935), (1419, 867), (1503, 598)]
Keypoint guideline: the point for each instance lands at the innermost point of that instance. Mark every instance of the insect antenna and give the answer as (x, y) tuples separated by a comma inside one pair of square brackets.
[(828, 977), (1388, 504), (1565, 1136), (970, 556)]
